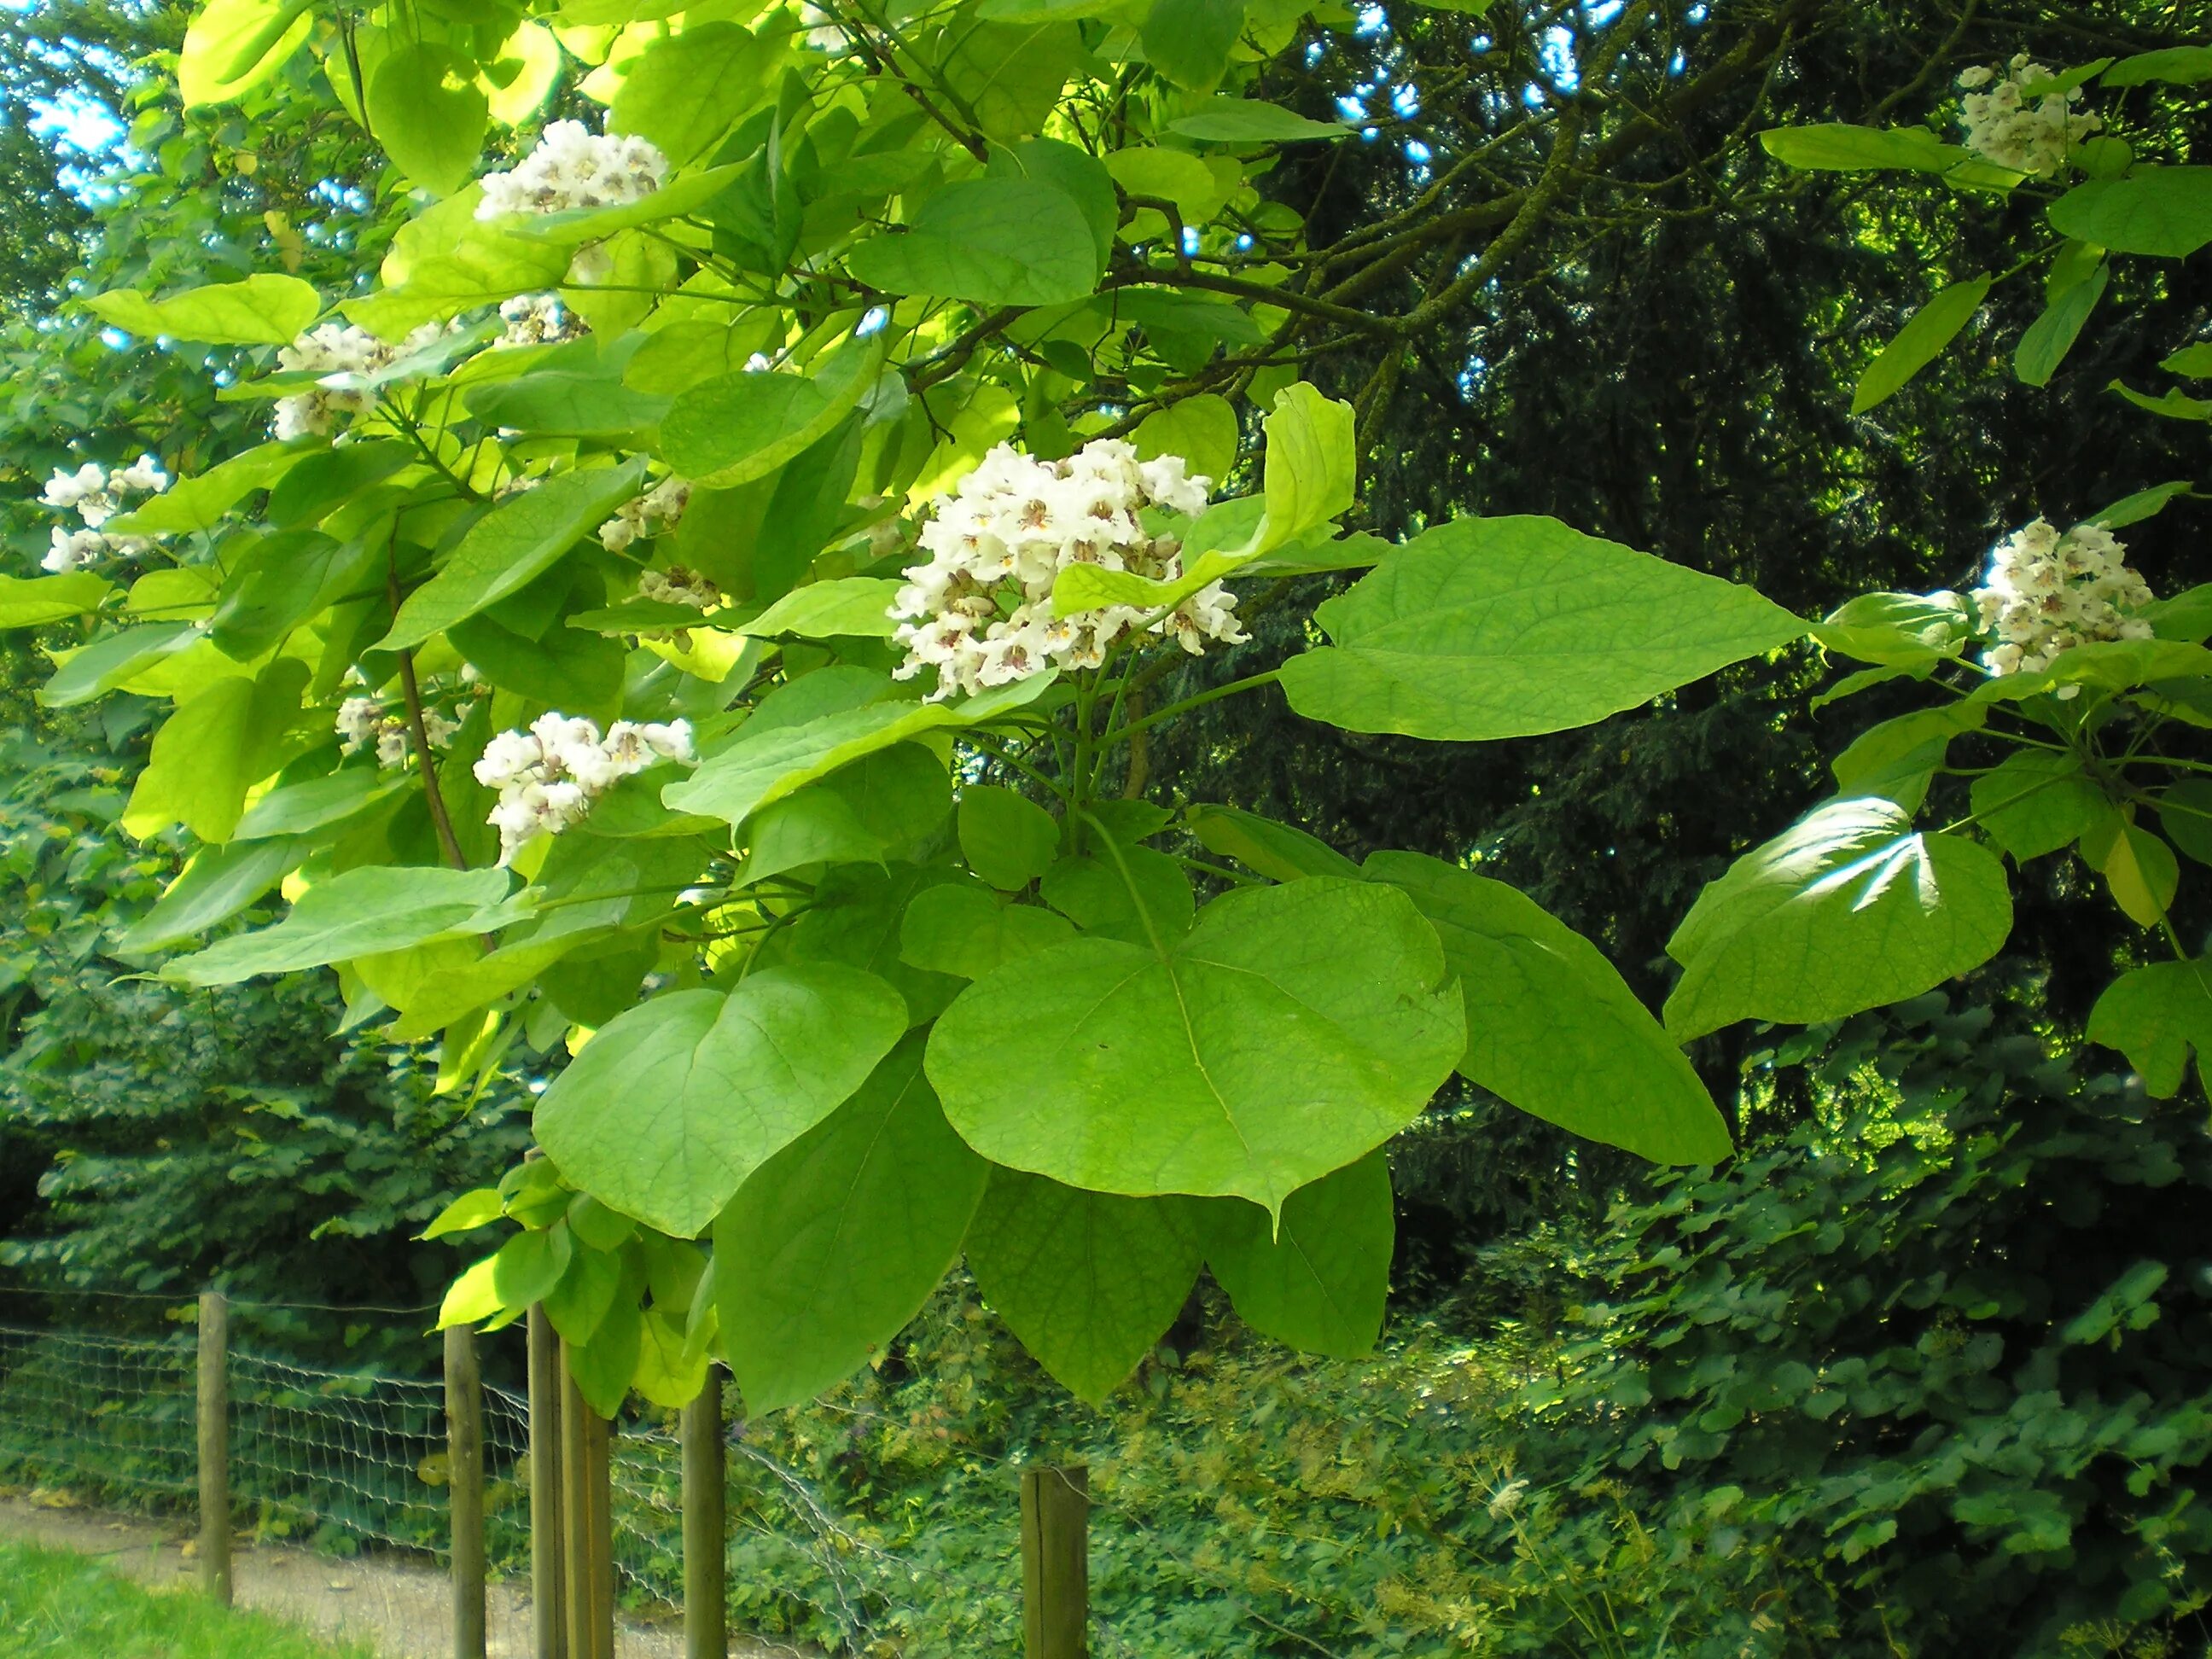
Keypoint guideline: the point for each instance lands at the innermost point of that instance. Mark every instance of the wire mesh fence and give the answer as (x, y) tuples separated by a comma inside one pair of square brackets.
[(352, 1461), (112, 1417)]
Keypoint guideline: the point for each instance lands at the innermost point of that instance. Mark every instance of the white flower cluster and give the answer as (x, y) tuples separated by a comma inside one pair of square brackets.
[(573, 167), (2047, 593), (331, 352), (95, 496), (2012, 119), (653, 514), (678, 585), (548, 777), (363, 722), (537, 319), (823, 31), (980, 611)]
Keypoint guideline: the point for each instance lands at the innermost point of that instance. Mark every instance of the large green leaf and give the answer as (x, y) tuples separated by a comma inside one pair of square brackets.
[(1834, 147), (768, 762), (1246, 121), (836, 1242), (1089, 1281), (1009, 74), (1503, 628), (1309, 475), (446, 260), (2180, 66), (667, 1111), (684, 91), (1898, 759), (1277, 851), (1187, 41), (1201, 427), (1846, 909), (2163, 211), (35, 601), (218, 882), (261, 310), (1551, 1026), (278, 581), (2045, 342), (225, 737), (233, 45), (2156, 1016), (991, 241), (426, 111), (2037, 801), (859, 606), (1319, 1280), (317, 803), (112, 659), (968, 933), (201, 501), (737, 428), (1919, 343), (510, 547), (880, 805), (585, 401), (1290, 1031), (1008, 840), (360, 912)]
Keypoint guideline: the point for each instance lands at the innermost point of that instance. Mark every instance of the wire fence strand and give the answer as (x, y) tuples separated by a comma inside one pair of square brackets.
[(348, 1461)]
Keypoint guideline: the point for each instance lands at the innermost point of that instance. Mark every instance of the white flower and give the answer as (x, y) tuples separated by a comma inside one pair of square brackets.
[(357, 722), (657, 511), (635, 746), (68, 489), (72, 549), (1506, 1499), (2017, 123), (143, 475), (573, 169), (537, 318), (980, 611), (2046, 592), (336, 354), (95, 496), (391, 744), (507, 758), (822, 33), (548, 777), (363, 722), (678, 585)]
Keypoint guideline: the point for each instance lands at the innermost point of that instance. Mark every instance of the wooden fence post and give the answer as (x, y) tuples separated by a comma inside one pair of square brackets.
[(464, 1488), (599, 1529), (215, 1445), (1056, 1561), (548, 1604), (586, 1523), (706, 1618)]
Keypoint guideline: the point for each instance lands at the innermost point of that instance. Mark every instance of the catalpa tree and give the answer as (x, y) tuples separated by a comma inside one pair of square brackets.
[(703, 605)]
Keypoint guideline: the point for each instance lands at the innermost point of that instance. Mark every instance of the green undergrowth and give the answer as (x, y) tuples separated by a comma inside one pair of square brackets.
[(1247, 1502), (69, 1606)]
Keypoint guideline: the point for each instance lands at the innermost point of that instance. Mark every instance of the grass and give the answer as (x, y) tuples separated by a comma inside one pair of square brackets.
[(54, 1602)]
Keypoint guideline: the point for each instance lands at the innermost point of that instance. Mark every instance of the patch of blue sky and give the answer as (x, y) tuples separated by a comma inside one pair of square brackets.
[(1373, 20)]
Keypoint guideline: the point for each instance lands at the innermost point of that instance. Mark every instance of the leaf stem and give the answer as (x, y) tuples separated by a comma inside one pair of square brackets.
[(1250, 683)]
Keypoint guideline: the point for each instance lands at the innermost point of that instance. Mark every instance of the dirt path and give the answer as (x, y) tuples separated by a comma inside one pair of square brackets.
[(402, 1609)]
